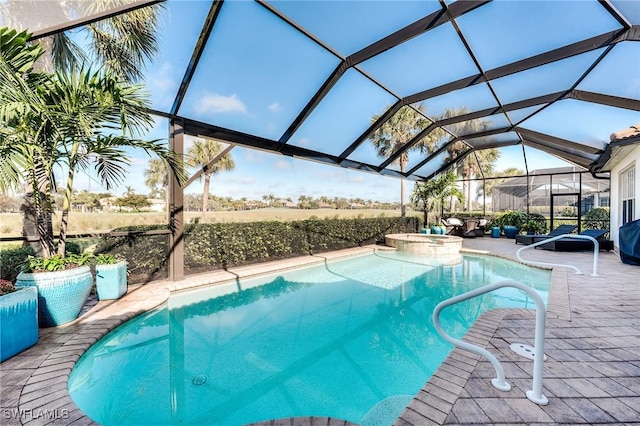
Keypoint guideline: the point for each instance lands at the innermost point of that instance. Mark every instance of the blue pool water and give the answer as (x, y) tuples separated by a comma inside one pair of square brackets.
[(351, 339)]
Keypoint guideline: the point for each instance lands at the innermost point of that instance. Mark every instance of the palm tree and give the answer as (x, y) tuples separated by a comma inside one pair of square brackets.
[(481, 162), (269, 199), (433, 193), (201, 154), (470, 165), (22, 108), (86, 104), (486, 190), (63, 120), (156, 178), (120, 44), (396, 133)]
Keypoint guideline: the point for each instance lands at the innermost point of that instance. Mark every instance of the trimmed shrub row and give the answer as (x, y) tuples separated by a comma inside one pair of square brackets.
[(11, 261), (221, 245), (147, 255)]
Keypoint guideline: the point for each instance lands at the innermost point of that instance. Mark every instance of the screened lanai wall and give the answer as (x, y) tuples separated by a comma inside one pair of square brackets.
[(567, 190), (333, 82)]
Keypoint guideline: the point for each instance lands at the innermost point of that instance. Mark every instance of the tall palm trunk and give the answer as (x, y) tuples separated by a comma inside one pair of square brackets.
[(205, 195), (403, 167), (36, 219), (64, 217), (66, 202), (36, 212)]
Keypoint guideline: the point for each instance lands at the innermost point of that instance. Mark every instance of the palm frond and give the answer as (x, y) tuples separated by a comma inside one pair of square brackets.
[(110, 163), (12, 165), (66, 54), (123, 43)]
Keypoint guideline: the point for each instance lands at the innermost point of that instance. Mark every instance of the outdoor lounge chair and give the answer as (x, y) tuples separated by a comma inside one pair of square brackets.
[(579, 244), (530, 239), (454, 225), (469, 228)]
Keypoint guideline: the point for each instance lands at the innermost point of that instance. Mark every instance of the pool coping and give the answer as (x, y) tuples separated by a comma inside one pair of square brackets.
[(45, 390)]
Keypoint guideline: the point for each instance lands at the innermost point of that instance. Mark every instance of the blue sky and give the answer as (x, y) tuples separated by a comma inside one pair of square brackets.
[(257, 73)]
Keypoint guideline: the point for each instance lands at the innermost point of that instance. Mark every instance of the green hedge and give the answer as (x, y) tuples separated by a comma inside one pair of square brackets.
[(147, 255), (597, 218), (11, 261), (221, 245)]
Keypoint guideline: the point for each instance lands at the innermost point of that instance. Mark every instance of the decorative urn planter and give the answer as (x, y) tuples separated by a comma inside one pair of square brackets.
[(19, 319), (510, 231), (61, 294), (111, 280)]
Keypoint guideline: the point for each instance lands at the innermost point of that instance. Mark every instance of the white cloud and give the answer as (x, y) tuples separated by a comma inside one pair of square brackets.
[(254, 156), (275, 107), (248, 180), (214, 103), (283, 165), (161, 79), (304, 142)]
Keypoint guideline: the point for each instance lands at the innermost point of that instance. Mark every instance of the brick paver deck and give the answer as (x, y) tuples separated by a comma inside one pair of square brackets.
[(592, 374), (592, 343)]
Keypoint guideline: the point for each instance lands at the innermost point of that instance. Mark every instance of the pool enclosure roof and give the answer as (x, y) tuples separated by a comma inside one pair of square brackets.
[(317, 79)]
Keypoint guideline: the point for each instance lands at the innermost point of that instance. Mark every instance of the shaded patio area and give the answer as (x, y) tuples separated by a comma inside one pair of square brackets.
[(592, 374)]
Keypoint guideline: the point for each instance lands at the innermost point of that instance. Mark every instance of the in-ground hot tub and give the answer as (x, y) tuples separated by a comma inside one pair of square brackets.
[(441, 248)]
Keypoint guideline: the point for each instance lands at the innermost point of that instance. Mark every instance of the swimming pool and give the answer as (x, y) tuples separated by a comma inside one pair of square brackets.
[(350, 339)]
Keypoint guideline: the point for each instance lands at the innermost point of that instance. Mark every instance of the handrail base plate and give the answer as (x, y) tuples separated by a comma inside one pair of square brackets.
[(504, 387), (540, 400), (523, 350)]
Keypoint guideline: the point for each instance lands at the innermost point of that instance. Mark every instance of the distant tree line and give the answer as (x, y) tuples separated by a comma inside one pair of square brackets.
[(131, 201)]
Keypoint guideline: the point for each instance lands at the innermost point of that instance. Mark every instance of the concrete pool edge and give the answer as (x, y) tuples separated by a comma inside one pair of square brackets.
[(45, 390)]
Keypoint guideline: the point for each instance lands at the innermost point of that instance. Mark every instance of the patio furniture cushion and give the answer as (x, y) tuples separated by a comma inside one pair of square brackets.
[(453, 225), (575, 244), (595, 233), (530, 239), (469, 228)]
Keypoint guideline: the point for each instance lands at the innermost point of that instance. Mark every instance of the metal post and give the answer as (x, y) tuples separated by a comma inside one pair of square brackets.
[(176, 209)]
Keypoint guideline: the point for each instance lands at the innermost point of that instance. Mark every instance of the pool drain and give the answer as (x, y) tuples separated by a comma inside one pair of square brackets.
[(199, 380), (524, 350)]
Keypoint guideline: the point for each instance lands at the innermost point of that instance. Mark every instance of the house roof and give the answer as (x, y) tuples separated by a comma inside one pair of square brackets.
[(555, 77)]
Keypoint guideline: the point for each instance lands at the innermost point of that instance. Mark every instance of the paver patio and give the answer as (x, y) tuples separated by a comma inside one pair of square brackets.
[(591, 376)]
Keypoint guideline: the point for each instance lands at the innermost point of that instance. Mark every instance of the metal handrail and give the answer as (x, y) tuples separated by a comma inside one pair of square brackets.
[(596, 250), (499, 382)]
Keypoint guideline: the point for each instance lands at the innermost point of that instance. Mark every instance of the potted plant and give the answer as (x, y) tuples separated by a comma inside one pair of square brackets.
[(41, 133), (111, 276), (435, 229), (63, 285), (511, 222), (19, 319)]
